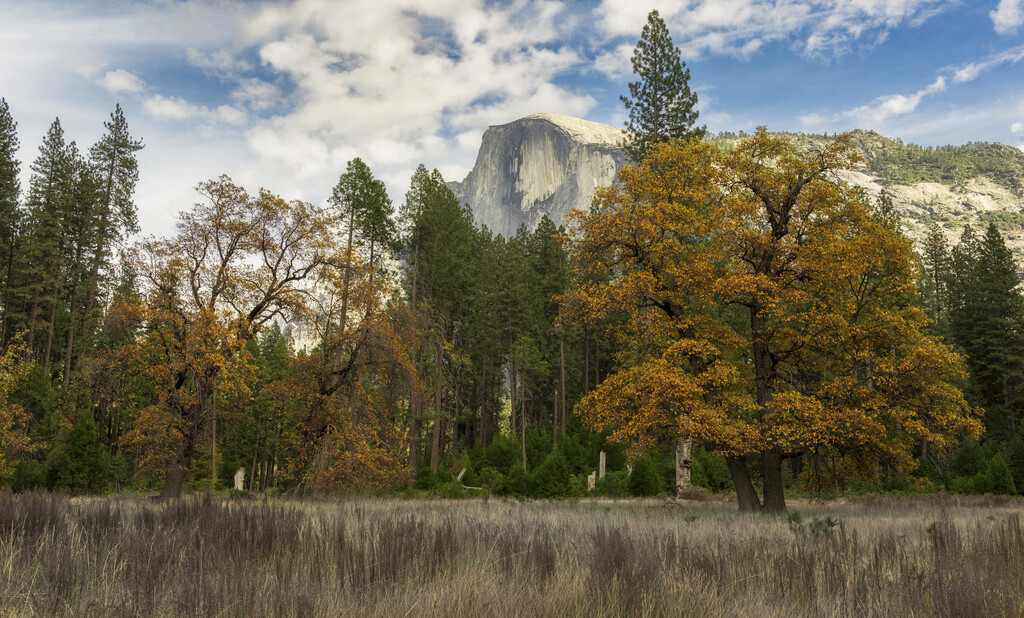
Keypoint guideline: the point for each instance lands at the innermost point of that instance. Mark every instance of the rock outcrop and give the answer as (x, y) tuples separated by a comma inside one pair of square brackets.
[(547, 164), (543, 164)]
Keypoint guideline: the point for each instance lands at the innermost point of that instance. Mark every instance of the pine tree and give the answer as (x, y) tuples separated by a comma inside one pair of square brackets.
[(50, 198), (437, 244), (935, 258), (10, 190), (660, 104), (114, 174), (363, 205)]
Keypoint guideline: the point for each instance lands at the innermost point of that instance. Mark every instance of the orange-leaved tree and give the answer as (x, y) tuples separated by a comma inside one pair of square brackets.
[(236, 262), (14, 438), (358, 374), (767, 314)]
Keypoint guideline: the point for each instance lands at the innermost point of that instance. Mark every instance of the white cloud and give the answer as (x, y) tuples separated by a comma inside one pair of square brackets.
[(169, 108), (1017, 127), (176, 109), (818, 28), (256, 93), (971, 71), (447, 69), (119, 81), (885, 107), (1007, 16), (218, 62)]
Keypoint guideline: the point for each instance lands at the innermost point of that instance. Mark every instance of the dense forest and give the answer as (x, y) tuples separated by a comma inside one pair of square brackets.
[(363, 347)]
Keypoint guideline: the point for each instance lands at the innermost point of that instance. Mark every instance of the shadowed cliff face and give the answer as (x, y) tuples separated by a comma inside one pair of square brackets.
[(543, 164)]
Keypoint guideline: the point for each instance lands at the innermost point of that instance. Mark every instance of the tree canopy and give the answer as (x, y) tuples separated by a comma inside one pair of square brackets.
[(767, 314)]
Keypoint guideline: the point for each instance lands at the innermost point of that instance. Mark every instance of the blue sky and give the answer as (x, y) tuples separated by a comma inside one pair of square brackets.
[(282, 94)]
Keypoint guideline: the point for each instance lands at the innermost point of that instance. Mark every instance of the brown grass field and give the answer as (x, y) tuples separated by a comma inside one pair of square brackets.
[(130, 556)]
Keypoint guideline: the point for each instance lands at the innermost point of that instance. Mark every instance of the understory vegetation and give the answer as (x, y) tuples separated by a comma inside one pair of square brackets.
[(939, 555)]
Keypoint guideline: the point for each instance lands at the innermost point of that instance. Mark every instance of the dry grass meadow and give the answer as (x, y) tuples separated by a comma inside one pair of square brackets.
[(937, 555)]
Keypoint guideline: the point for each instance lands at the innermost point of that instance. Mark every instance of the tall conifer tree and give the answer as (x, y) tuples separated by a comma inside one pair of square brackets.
[(115, 172), (50, 198), (10, 190), (661, 105), (936, 259)]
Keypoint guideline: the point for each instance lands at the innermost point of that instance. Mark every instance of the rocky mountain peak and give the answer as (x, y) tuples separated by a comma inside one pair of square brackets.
[(542, 164)]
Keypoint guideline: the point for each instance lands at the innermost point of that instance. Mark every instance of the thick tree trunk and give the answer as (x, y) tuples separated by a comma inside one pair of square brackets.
[(774, 494), (684, 459), (175, 480), (33, 315), (415, 431), (345, 281), (554, 423), (415, 397), (97, 261), (746, 497), (522, 427), (7, 293), (481, 437), (512, 397), (69, 344)]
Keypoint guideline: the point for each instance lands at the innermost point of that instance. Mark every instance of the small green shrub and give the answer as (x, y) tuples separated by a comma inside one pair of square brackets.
[(999, 476), (613, 485), (515, 482), (551, 479), (645, 480), (452, 489)]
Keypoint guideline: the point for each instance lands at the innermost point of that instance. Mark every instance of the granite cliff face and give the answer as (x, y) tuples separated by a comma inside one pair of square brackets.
[(543, 164), (546, 164)]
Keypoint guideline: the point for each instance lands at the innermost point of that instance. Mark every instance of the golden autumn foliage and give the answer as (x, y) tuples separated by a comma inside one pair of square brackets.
[(767, 314), (365, 348), (14, 439), (236, 262)]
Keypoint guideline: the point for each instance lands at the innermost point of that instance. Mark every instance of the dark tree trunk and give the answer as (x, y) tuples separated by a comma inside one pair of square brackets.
[(7, 295), (33, 315), (346, 279), (522, 427), (561, 364), (774, 494), (512, 397), (175, 480), (47, 351), (746, 497), (436, 441)]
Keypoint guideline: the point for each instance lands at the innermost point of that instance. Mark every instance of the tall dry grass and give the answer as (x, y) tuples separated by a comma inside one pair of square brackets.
[(379, 557)]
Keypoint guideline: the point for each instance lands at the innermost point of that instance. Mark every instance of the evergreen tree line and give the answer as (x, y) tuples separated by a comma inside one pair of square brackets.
[(57, 242), (972, 293)]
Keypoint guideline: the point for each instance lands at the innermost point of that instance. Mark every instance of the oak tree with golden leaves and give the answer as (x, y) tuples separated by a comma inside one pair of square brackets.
[(767, 314), (236, 262)]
